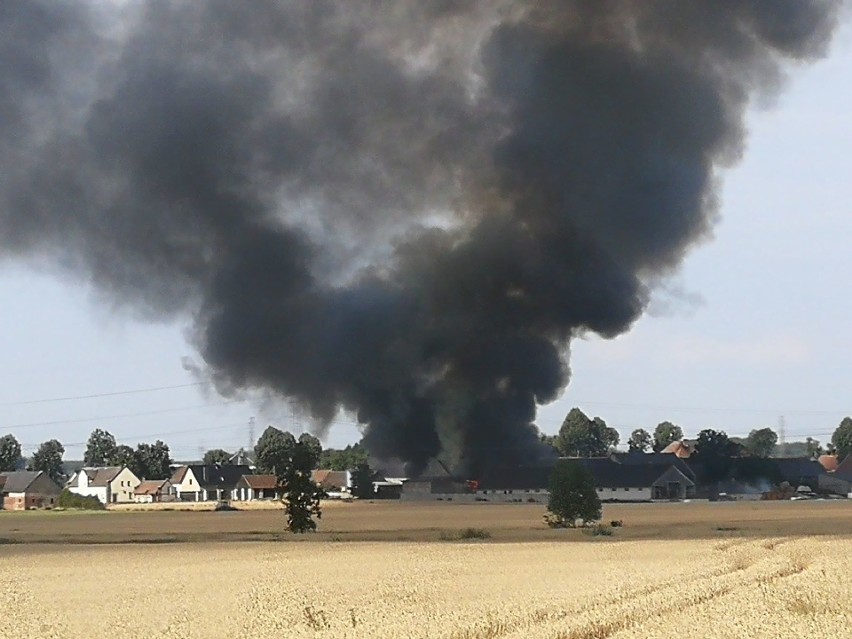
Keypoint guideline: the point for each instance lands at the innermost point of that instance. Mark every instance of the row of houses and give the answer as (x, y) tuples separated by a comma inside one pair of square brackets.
[(637, 476), (27, 490)]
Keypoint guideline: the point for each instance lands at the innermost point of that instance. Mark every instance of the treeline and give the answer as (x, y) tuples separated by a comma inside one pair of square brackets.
[(148, 461), (581, 436)]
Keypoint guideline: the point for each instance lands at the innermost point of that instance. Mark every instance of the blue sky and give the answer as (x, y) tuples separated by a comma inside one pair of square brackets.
[(752, 328)]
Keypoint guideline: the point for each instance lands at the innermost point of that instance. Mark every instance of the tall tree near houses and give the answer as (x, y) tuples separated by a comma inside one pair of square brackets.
[(100, 449), (292, 462), (362, 481), (640, 440), (664, 434), (10, 453), (842, 438), (761, 442), (580, 436), (812, 447), (48, 458), (153, 460), (216, 456)]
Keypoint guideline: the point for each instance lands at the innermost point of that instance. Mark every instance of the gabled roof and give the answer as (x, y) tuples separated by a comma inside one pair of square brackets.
[(102, 476), (516, 478), (829, 462), (679, 448), (845, 467), (612, 474), (19, 481), (214, 476), (330, 479), (662, 458), (152, 487), (390, 467), (259, 482), (794, 468), (179, 474)]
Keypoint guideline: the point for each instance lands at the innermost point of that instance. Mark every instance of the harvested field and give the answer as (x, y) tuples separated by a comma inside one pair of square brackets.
[(400, 521), (775, 587)]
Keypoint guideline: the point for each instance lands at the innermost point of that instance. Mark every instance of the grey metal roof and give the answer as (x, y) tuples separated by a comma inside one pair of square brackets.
[(18, 481)]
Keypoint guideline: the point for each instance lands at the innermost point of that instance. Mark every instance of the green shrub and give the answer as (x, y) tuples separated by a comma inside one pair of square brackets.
[(474, 533), (598, 530), (572, 496), (70, 500)]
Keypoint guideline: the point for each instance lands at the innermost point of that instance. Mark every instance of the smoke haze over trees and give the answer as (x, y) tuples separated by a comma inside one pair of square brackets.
[(404, 212)]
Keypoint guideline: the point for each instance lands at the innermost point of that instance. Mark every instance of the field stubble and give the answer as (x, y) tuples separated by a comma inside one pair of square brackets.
[(749, 572), (734, 588)]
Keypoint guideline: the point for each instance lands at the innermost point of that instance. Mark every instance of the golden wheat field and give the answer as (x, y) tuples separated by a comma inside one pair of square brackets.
[(400, 570), (732, 587)]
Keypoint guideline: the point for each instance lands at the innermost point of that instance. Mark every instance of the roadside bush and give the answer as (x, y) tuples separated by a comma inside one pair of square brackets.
[(474, 533), (598, 530), (466, 534), (617, 523), (73, 501)]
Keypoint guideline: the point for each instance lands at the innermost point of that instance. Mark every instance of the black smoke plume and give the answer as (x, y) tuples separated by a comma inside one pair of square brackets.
[(405, 209)]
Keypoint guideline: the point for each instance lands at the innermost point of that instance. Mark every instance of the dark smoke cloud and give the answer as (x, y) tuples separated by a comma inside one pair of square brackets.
[(404, 209)]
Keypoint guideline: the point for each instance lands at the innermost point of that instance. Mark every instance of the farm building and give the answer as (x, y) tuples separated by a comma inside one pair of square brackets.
[(207, 482), (27, 490), (436, 482), (154, 491), (251, 487), (110, 484), (617, 480)]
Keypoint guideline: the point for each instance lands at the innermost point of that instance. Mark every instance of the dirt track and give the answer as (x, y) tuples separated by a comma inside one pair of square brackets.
[(396, 521)]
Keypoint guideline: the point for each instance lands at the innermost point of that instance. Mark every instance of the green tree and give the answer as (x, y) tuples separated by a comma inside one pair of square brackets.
[(343, 459), (10, 453), (153, 461), (100, 448), (124, 455), (664, 434), (362, 481), (48, 458), (580, 436), (572, 495), (812, 447), (216, 456), (715, 450), (842, 438), (761, 442), (640, 439), (292, 462)]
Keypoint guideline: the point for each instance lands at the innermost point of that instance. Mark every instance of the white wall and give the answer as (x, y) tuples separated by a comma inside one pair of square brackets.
[(91, 491)]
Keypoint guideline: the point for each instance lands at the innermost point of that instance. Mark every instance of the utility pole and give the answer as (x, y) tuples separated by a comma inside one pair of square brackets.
[(782, 436)]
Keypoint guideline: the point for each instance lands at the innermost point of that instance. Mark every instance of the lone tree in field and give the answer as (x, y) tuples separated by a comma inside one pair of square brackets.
[(291, 461), (572, 496)]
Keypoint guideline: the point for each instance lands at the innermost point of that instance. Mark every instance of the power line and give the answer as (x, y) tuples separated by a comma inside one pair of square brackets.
[(103, 417), (96, 395)]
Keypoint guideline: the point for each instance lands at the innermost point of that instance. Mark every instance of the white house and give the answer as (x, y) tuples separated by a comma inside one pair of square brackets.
[(110, 484)]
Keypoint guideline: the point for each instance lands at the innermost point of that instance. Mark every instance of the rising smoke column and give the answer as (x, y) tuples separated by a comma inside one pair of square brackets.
[(403, 209)]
